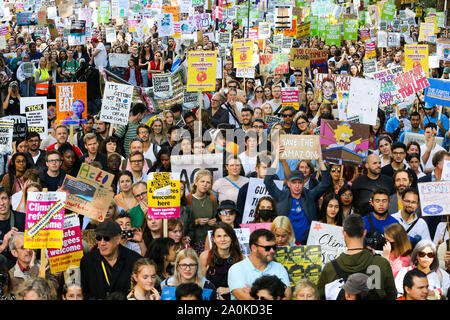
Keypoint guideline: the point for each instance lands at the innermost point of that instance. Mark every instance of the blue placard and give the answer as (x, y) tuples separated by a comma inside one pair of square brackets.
[(168, 293), (438, 92)]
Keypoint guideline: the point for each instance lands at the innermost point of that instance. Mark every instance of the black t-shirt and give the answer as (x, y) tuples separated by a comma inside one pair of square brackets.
[(13, 107), (363, 188)]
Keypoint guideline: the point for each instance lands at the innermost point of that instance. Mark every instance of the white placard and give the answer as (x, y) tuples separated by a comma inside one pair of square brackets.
[(116, 103), (119, 60), (35, 110), (363, 99), (434, 198), (329, 237)]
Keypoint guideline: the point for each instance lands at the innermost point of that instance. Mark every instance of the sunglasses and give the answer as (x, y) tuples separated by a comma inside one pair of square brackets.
[(335, 170), (287, 115), (259, 91), (99, 238), (226, 212), (267, 248), (428, 254)]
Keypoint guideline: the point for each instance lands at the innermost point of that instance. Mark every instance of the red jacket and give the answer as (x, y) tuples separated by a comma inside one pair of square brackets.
[(137, 72)]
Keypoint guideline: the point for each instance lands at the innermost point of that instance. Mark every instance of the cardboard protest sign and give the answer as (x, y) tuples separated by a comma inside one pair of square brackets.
[(270, 64), (434, 199), (290, 97), (71, 103), (370, 67), (116, 103), (300, 262), (19, 128), (363, 100), (245, 72), (44, 220), (301, 147), (166, 25), (318, 61), (330, 239), (351, 29), (6, 136), (71, 251), (162, 86), (35, 110), (420, 138), (163, 190), (202, 71), (243, 53), (438, 92), (386, 78), (388, 12), (426, 32), (256, 190), (416, 54), (333, 35), (189, 164), (299, 58), (88, 194), (191, 100), (119, 60), (344, 143)]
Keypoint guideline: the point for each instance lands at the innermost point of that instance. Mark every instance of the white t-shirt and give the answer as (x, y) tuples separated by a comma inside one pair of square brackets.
[(248, 163), (429, 164), (420, 228), (231, 119), (101, 58)]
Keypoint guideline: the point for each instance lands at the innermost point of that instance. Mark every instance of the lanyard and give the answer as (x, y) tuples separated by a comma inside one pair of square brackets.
[(106, 275), (234, 184)]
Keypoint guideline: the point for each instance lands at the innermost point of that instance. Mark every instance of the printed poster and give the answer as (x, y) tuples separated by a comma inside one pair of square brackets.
[(44, 220), (438, 92), (35, 110), (434, 199), (243, 53), (6, 136), (163, 189), (416, 54), (71, 103), (72, 249), (202, 71)]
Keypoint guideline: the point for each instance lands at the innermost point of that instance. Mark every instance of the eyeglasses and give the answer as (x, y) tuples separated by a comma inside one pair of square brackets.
[(267, 248), (409, 202), (287, 115), (301, 123), (21, 161), (428, 254), (53, 161), (336, 170), (99, 238), (187, 266), (226, 212), (140, 195), (232, 87), (347, 194), (259, 91), (258, 127), (398, 153), (136, 161)]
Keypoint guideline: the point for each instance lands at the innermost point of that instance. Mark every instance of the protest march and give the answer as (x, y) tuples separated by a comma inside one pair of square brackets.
[(224, 150)]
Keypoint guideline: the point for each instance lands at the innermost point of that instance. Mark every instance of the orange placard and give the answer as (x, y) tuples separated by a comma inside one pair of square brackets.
[(71, 103), (173, 10), (293, 31)]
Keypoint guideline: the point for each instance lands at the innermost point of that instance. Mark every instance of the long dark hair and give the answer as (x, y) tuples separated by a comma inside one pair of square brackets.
[(323, 209), (159, 248), (119, 148), (12, 163), (274, 208), (235, 249), (158, 164)]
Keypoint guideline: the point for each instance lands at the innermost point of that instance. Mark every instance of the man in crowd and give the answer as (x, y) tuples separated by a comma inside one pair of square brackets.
[(102, 129), (137, 166), (430, 147), (415, 285), (364, 185), (139, 211), (216, 112), (398, 151), (402, 180), (37, 155), (62, 135), (432, 116), (85, 129), (53, 177), (129, 132), (92, 154), (107, 268), (415, 126), (379, 218), (357, 259), (260, 262)]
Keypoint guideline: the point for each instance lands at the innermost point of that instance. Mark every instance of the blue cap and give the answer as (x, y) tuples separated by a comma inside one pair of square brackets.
[(429, 105)]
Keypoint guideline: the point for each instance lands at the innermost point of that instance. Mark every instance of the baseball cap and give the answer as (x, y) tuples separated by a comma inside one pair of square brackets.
[(227, 205), (447, 70), (356, 284), (429, 105), (94, 39), (108, 228), (296, 175)]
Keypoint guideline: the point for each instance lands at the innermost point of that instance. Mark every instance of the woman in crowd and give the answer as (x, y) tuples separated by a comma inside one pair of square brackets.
[(397, 248), (204, 207), (162, 252), (36, 289), (70, 161), (162, 163), (112, 214), (384, 150), (216, 262), (226, 213), (376, 131), (257, 113), (424, 258), (227, 188), (29, 186), (312, 110), (13, 181), (125, 198), (6, 289), (157, 134), (346, 196), (188, 269), (413, 147), (302, 123), (331, 210), (155, 66), (281, 227), (112, 145), (151, 229), (306, 290), (42, 78), (267, 111), (175, 232), (145, 58), (413, 160), (143, 280), (337, 178), (268, 92), (258, 99), (72, 291), (113, 163), (354, 71), (186, 215), (169, 119), (265, 210)]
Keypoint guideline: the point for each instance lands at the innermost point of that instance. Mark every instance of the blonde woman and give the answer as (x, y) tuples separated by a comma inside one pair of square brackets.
[(42, 78), (306, 290), (267, 110), (284, 233), (157, 133), (258, 99), (204, 207), (143, 279), (188, 270)]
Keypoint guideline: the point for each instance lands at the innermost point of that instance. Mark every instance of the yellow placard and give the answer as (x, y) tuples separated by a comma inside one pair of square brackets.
[(202, 71), (416, 54), (163, 190), (303, 30), (426, 31), (243, 53), (432, 19)]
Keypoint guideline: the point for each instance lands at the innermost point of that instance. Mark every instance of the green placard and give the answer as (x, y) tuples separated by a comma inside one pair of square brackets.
[(322, 27), (314, 25), (388, 11), (333, 35), (351, 29), (440, 19), (103, 14)]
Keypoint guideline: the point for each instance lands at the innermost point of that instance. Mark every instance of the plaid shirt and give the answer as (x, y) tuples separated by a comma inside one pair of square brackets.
[(137, 72)]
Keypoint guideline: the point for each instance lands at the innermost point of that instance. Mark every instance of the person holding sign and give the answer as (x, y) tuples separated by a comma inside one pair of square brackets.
[(296, 202)]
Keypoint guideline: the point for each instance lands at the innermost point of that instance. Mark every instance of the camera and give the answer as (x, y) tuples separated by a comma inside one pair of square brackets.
[(127, 234), (375, 240)]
